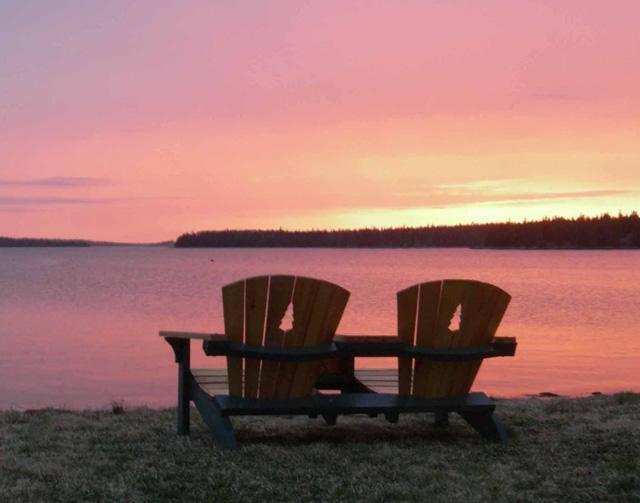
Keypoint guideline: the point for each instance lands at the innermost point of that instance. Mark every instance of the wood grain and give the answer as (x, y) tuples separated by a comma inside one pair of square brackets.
[(233, 309), (482, 308), (256, 292), (254, 309), (280, 295), (407, 307)]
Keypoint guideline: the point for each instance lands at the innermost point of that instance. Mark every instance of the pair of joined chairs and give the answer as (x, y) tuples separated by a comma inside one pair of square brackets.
[(278, 368)]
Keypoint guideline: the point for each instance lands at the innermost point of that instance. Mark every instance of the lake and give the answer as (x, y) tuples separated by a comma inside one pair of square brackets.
[(78, 326)]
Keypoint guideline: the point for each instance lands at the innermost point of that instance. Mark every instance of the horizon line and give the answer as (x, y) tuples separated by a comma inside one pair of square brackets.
[(620, 214)]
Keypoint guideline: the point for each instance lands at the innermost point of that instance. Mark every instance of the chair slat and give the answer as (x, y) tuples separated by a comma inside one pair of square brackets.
[(304, 294), (209, 372), (256, 293), (434, 311), (484, 307), (212, 381), (377, 372), (426, 331), (214, 389), (280, 296), (407, 305), (371, 378), (325, 309), (233, 309)]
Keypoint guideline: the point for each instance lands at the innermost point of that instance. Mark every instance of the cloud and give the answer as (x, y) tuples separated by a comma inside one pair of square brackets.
[(11, 203), (46, 201), (58, 182), (585, 194), (494, 184), (446, 196), (554, 96), (12, 209)]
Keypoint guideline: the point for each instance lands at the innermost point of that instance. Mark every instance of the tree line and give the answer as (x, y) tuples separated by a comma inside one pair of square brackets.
[(604, 231), (6, 242)]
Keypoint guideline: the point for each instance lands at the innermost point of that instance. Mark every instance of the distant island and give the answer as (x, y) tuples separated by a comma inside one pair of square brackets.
[(601, 232), (6, 242)]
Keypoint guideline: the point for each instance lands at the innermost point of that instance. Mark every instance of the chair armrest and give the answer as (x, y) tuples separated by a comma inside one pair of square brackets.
[(504, 346), (295, 354), (391, 345), (347, 345), (180, 342), (369, 345), (167, 334)]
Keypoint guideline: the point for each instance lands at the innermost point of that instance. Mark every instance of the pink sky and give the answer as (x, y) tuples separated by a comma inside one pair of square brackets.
[(142, 120)]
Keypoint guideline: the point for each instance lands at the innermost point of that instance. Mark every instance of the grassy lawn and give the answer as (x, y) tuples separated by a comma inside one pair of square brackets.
[(561, 449)]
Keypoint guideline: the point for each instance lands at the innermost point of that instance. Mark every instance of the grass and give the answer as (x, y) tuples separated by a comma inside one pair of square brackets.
[(561, 449)]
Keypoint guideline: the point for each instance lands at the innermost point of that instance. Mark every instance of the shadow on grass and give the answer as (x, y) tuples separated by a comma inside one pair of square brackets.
[(288, 431)]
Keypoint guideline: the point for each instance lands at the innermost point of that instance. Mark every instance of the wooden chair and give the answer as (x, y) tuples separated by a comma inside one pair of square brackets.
[(446, 326), (274, 370), (266, 362)]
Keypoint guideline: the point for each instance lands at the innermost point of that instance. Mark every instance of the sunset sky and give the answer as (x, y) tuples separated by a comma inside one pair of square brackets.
[(138, 121)]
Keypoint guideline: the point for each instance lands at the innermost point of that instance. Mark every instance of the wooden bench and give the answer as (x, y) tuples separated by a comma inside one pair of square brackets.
[(273, 371), (364, 391)]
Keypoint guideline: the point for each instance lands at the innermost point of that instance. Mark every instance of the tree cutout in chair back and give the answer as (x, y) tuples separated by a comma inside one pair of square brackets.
[(286, 324), (456, 320)]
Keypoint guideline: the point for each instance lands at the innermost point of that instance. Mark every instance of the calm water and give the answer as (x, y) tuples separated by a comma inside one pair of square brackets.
[(78, 327)]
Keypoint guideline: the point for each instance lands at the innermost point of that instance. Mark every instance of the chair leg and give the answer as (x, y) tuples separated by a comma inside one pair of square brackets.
[(488, 425), (330, 418), (182, 352), (219, 425), (184, 407)]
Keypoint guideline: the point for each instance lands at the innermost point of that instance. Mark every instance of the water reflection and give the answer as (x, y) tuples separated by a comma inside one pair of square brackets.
[(79, 326)]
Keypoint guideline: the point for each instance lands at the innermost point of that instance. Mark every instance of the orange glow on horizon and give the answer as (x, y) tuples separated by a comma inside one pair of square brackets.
[(215, 116)]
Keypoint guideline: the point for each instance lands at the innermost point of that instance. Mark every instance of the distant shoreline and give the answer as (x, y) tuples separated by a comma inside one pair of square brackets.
[(406, 248), (621, 232), (484, 248), (584, 233), (6, 242)]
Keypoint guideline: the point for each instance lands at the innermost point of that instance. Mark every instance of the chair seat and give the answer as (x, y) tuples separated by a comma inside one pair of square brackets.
[(212, 381), (352, 403), (216, 381), (379, 380)]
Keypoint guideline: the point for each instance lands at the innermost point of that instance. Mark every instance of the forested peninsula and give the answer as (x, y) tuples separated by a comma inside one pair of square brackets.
[(6, 242), (601, 232)]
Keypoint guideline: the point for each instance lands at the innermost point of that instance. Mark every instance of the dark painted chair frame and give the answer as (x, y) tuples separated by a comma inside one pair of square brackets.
[(477, 409)]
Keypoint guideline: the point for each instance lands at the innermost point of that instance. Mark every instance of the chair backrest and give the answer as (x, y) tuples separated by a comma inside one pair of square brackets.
[(446, 314), (254, 309)]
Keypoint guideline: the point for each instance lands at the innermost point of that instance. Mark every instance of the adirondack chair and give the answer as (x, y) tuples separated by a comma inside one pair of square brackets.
[(447, 327), (273, 370), (266, 364)]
